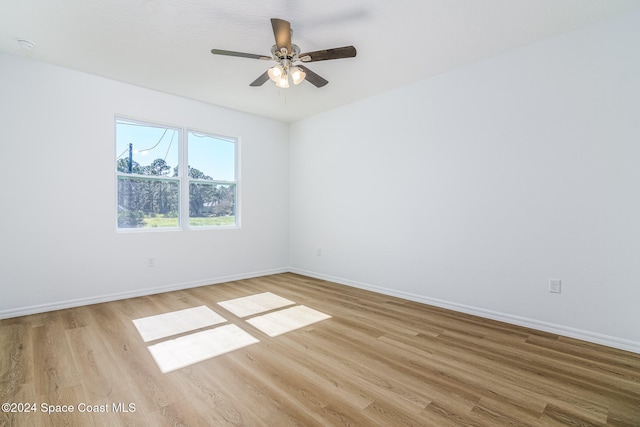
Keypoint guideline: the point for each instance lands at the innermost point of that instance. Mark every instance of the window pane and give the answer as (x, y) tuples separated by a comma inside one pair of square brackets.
[(211, 204), (148, 202), (211, 157), (146, 149)]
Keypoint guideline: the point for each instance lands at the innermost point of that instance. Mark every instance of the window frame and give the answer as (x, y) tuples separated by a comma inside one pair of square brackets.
[(182, 179)]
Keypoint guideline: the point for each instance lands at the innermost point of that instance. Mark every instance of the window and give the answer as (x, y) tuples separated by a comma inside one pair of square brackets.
[(154, 192), (212, 186)]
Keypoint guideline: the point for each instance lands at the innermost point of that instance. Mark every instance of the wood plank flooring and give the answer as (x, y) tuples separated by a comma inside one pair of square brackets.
[(378, 361)]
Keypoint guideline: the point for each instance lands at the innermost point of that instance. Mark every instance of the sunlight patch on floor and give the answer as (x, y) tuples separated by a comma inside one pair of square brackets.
[(176, 322), (289, 319), (187, 350), (254, 304)]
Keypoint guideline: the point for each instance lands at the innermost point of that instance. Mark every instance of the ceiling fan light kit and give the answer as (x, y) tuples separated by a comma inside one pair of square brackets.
[(280, 76), (280, 73), (287, 56)]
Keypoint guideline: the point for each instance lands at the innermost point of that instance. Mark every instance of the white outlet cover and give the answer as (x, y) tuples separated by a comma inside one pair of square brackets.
[(555, 286)]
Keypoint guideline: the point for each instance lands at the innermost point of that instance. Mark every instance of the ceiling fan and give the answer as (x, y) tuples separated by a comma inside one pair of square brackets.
[(288, 57)]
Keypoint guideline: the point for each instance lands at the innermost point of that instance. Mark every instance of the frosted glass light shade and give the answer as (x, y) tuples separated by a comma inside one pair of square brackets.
[(275, 73), (297, 75), (283, 81)]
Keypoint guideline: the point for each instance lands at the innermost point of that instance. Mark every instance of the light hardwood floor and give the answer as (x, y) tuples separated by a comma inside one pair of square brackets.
[(379, 361)]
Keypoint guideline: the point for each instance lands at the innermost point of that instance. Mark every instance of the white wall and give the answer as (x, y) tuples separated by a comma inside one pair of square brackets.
[(58, 238), (472, 189)]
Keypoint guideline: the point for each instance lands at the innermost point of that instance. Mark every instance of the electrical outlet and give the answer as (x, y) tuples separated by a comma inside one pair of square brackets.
[(319, 252), (555, 286), (151, 262)]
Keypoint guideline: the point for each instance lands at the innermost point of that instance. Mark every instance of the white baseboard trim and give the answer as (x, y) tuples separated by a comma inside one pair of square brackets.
[(593, 337), (60, 305)]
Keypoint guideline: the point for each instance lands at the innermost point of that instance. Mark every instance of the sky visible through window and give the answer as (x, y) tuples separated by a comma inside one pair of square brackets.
[(213, 156)]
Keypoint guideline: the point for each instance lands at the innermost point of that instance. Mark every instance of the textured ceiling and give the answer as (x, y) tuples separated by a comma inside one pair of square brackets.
[(165, 45)]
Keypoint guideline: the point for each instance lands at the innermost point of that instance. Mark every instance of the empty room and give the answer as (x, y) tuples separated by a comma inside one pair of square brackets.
[(296, 213)]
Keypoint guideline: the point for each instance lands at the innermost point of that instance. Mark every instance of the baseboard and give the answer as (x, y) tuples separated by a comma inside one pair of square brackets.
[(60, 305), (593, 337)]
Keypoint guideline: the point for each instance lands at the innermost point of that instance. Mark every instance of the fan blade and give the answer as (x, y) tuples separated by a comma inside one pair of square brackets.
[(282, 33), (323, 55), (239, 54), (312, 77), (260, 80)]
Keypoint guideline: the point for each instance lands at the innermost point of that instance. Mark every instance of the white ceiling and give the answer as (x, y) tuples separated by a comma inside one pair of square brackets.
[(165, 44)]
